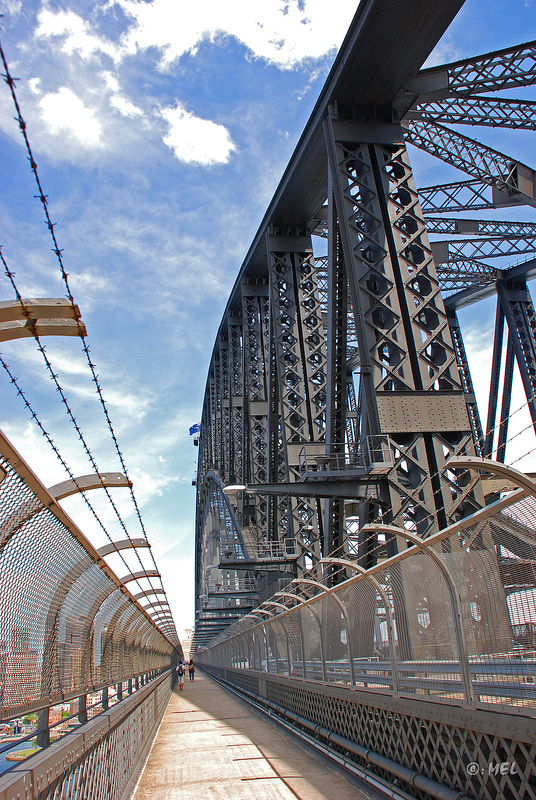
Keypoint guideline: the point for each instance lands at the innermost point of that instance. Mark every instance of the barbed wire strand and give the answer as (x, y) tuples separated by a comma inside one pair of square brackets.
[(32, 327), (58, 252)]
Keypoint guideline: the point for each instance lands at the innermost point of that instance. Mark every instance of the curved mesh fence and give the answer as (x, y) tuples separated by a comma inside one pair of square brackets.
[(451, 618), (67, 624)]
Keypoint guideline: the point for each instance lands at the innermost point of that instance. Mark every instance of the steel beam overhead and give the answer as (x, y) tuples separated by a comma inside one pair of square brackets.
[(123, 544), (487, 111), (86, 482), (339, 384)]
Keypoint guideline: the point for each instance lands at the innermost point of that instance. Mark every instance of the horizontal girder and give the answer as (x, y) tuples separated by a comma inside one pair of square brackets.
[(486, 111)]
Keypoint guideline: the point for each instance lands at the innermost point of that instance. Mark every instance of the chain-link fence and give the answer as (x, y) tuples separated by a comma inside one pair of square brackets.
[(68, 626)]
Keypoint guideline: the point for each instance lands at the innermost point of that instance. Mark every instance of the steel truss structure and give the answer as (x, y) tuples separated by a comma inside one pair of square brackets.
[(339, 385), (423, 690)]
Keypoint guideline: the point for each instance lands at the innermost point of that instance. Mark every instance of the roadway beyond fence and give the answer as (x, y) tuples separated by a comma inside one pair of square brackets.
[(212, 745)]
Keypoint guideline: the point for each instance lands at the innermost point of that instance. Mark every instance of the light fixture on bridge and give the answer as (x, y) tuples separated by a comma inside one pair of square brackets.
[(233, 488)]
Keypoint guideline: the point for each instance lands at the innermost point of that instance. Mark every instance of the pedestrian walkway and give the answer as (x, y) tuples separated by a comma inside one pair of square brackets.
[(211, 745)]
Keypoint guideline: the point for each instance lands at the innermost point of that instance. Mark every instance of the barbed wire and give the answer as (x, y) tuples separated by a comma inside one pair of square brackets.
[(43, 198), (54, 447)]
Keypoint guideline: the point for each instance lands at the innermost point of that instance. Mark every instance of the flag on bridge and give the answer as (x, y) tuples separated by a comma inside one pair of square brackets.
[(195, 428)]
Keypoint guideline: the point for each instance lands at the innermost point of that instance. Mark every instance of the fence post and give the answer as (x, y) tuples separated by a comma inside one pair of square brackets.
[(43, 738)]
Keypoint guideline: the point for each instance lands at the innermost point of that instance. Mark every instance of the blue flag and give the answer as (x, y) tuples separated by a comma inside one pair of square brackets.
[(195, 428)]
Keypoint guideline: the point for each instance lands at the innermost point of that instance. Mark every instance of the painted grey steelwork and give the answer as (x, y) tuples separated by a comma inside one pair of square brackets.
[(438, 690), (336, 336)]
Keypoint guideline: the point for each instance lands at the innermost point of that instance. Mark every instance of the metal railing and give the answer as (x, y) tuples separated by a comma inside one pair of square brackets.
[(437, 644), (226, 585), (325, 459), (451, 616), (262, 551), (102, 759)]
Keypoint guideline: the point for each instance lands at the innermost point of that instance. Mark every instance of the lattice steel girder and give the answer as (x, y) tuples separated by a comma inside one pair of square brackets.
[(491, 72), (405, 344), (487, 111), (298, 336), (456, 196), (299, 339), (520, 316), (525, 271), (256, 330), (480, 227), (452, 250), (482, 162), (465, 273)]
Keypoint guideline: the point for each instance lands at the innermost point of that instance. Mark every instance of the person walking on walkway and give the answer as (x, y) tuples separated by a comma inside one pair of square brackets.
[(180, 674), (191, 669)]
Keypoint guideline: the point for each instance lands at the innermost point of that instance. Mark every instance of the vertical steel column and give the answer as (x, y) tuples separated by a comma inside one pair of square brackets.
[(408, 363), (495, 379), (520, 316), (223, 412), (301, 371), (236, 398), (82, 709), (467, 383), (43, 721), (506, 399), (336, 386), (255, 316)]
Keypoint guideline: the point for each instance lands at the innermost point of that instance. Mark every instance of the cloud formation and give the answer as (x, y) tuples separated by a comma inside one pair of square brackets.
[(64, 111), (78, 36), (195, 140), (282, 32)]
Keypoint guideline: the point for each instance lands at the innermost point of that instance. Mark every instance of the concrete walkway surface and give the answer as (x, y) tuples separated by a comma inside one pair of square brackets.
[(211, 745)]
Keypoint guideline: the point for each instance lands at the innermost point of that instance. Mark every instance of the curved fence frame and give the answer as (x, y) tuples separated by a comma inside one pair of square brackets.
[(436, 621), (68, 626)]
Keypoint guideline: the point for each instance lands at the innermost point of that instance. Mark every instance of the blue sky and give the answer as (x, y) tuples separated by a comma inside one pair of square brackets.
[(161, 130)]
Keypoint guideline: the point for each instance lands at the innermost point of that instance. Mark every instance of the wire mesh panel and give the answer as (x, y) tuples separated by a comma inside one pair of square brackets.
[(424, 620), (494, 567), (309, 617), (336, 640), (67, 624), (280, 644), (370, 632), (103, 762), (449, 618), (291, 624)]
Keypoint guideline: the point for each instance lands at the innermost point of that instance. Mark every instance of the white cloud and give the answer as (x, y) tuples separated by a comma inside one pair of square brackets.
[(117, 100), (283, 32), (77, 33), (64, 111), (125, 107), (33, 83), (110, 80), (195, 140)]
